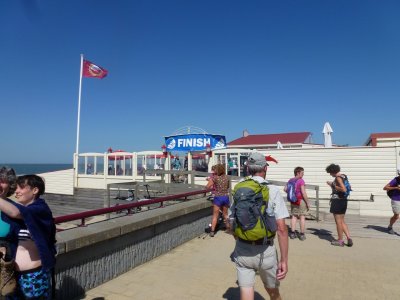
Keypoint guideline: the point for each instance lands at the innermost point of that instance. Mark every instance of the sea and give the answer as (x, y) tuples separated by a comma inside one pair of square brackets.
[(24, 169)]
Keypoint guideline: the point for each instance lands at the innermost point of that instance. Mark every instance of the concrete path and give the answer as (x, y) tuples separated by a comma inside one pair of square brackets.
[(201, 268)]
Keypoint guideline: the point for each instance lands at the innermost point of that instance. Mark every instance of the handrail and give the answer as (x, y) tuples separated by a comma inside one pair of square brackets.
[(101, 211)]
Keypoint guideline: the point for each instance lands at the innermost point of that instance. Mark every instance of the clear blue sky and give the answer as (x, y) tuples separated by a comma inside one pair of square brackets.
[(224, 66)]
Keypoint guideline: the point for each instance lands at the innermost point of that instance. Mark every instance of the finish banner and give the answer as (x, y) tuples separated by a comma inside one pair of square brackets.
[(194, 142)]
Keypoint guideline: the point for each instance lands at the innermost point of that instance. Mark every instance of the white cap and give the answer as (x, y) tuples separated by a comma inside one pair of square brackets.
[(256, 158)]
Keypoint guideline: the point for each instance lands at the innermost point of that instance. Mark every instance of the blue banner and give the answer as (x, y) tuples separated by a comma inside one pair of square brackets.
[(194, 142)]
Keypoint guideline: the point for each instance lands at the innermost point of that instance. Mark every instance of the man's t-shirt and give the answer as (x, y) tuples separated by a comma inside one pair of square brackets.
[(396, 193), (299, 183)]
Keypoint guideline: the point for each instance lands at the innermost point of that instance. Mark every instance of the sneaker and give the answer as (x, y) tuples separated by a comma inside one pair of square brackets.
[(212, 233), (292, 235), (390, 230), (349, 242), (337, 243), (302, 236)]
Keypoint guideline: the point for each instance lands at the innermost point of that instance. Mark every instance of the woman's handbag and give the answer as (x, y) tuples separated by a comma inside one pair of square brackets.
[(8, 281)]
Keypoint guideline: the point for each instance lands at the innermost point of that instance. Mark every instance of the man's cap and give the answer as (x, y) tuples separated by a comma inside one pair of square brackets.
[(257, 159)]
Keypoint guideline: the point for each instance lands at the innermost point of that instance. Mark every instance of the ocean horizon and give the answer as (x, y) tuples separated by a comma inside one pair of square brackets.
[(24, 169)]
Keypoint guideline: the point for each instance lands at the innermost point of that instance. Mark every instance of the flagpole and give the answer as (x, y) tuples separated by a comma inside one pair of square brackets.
[(79, 108)]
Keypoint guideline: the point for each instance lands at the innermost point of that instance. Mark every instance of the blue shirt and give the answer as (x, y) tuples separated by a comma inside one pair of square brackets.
[(38, 219), (4, 227), (396, 193)]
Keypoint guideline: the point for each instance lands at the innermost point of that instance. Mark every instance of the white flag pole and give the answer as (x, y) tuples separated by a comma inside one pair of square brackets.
[(79, 108)]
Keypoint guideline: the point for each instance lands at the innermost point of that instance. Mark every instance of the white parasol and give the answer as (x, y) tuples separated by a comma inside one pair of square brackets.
[(327, 131)]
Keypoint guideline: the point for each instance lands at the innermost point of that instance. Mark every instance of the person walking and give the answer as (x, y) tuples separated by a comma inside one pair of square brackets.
[(260, 256), (339, 204), (300, 208), (220, 184), (393, 191), (176, 164)]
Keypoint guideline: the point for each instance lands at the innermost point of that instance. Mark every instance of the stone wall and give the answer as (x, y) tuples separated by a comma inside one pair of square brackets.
[(92, 255)]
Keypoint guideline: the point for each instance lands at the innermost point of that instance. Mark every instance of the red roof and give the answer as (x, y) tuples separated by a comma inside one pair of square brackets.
[(374, 136), (267, 139)]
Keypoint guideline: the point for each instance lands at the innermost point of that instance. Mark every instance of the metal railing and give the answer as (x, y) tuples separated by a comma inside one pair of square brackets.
[(136, 203), (82, 216), (161, 185)]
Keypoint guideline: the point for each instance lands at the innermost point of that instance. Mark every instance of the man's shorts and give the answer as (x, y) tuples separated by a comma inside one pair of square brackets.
[(299, 210), (250, 259), (221, 201), (396, 207)]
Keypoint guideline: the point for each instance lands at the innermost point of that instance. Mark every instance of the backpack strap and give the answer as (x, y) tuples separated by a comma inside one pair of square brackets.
[(262, 185), (342, 176)]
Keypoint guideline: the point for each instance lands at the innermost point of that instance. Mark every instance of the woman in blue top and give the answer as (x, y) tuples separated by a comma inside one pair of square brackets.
[(35, 253), (8, 241), (8, 184)]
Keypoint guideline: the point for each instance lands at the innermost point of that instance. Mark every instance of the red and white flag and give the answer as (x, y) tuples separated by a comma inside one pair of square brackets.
[(92, 70)]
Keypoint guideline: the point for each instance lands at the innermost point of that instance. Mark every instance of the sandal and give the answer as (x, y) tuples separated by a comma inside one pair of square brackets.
[(339, 243), (349, 242)]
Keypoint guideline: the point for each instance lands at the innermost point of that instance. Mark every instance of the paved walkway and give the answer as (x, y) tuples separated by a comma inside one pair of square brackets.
[(201, 268)]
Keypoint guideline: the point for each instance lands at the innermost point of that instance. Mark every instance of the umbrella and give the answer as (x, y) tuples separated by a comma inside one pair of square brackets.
[(123, 155), (279, 145), (198, 156), (327, 131)]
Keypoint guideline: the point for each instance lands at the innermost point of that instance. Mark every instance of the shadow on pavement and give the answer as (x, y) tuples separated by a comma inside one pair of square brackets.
[(234, 294), (377, 228), (323, 234), (383, 229)]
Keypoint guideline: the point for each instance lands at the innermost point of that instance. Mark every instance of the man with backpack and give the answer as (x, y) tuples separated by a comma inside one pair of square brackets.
[(393, 191), (258, 214), (299, 205)]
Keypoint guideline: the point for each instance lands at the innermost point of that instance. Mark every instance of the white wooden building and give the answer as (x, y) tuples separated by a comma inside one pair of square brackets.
[(369, 169)]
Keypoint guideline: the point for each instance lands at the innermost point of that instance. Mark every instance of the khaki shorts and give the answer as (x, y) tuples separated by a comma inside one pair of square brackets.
[(250, 259), (396, 207), (299, 210)]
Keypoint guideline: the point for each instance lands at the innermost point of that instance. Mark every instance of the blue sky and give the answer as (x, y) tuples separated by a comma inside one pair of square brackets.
[(224, 66)]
